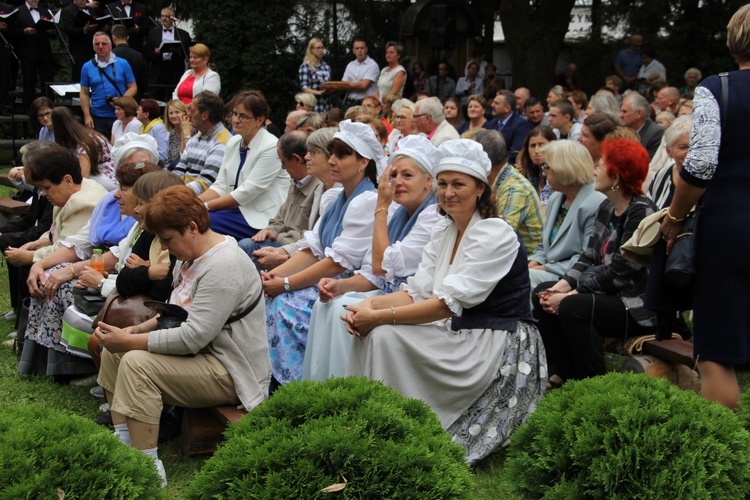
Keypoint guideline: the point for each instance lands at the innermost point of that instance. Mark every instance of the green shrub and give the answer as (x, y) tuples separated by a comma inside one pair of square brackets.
[(744, 411), (310, 435), (630, 436), (44, 452)]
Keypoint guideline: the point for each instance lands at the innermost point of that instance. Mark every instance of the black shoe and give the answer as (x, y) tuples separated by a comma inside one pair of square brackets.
[(105, 419)]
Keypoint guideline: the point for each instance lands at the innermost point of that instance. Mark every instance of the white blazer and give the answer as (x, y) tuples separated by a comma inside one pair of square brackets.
[(209, 81), (263, 184)]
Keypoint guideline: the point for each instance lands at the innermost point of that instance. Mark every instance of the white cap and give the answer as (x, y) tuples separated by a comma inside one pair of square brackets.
[(361, 138), (465, 156), (131, 141), (419, 148)]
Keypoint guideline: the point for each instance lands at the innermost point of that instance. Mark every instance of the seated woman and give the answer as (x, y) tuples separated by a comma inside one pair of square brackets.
[(40, 118), (218, 356), (125, 110), (454, 115), (57, 174), (571, 211), (595, 129), (251, 185), (476, 107), (459, 335), (177, 123), (305, 102), (199, 77), (92, 150), (51, 279), (403, 124), (150, 116), (677, 139), (602, 294), (334, 248), (269, 254), (406, 214), (531, 160)]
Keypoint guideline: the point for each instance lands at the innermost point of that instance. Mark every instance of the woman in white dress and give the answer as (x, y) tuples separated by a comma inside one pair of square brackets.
[(405, 215), (459, 335), (393, 76)]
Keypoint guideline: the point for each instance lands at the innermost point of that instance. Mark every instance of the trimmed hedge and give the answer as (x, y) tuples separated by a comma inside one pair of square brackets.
[(45, 451), (310, 435), (630, 436)]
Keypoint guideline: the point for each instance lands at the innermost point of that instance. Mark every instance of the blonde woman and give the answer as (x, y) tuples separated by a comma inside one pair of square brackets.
[(313, 72), (199, 77), (180, 130)]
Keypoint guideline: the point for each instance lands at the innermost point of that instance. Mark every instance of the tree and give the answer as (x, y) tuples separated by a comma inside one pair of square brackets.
[(534, 32)]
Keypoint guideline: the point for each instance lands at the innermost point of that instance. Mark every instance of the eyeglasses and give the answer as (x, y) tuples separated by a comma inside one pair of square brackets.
[(242, 116), (300, 104), (318, 48), (400, 117), (44, 115), (418, 116), (545, 167)]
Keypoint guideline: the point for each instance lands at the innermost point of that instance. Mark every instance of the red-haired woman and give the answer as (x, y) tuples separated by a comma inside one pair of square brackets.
[(602, 295)]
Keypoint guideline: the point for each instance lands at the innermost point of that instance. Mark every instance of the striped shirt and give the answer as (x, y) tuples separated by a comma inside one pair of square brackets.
[(200, 162)]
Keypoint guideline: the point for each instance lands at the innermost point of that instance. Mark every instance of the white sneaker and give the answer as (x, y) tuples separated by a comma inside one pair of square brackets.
[(13, 335), (97, 391), (9, 316), (162, 472)]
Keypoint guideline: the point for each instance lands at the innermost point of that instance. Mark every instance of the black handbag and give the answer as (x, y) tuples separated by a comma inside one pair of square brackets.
[(679, 270), (87, 301)]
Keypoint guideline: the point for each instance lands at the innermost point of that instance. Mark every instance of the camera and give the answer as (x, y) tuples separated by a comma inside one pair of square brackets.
[(110, 98)]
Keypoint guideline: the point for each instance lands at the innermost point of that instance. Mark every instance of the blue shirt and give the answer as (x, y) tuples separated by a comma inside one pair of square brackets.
[(99, 86), (629, 61)]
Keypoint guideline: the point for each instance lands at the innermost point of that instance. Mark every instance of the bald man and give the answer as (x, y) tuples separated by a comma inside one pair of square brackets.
[(668, 99)]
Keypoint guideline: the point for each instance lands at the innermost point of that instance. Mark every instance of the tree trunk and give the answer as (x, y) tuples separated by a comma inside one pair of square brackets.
[(534, 33)]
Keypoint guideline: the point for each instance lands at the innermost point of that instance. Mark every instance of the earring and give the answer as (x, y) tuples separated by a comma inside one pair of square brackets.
[(615, 187)]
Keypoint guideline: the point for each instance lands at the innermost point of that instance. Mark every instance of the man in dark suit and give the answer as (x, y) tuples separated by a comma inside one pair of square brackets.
[(123, 50), (79, 25), (33, 48), (136, 11), (510, 124), (8, 68), (166, 67), (635, 113)]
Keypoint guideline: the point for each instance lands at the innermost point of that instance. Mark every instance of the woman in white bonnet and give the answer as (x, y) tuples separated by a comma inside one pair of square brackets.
[(459, 335)]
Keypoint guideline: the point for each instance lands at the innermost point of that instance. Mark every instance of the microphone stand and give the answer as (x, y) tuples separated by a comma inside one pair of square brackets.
[(182, 46), (62, 39), (109, 8), (12, 53)]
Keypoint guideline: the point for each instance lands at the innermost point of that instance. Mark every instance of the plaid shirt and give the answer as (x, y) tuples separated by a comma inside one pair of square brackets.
[(518, 205), (313, 79), (200, 162), (608, 271)]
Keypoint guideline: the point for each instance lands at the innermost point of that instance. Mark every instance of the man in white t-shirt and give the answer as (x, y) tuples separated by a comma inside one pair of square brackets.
[(362, 72)]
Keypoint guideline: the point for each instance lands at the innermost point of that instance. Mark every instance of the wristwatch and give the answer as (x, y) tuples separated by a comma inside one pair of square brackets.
[(205, 204), (287, 286), (101, 283)]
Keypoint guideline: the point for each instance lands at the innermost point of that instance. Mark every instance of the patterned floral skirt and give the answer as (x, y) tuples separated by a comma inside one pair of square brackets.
[(287, 324)]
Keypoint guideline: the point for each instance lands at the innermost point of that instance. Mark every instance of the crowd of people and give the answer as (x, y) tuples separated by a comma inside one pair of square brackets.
[(471, 263)]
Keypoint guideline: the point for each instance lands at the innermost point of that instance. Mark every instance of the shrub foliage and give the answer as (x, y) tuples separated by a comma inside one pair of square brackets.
[(46, 453), (311, 435), (630, 436)]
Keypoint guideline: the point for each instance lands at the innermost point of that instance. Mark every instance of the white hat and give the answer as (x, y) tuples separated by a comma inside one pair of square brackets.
[(419, 148), (131, 141), (361, 138), (465, 156)]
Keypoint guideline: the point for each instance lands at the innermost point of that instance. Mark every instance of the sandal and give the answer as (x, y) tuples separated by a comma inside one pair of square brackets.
[(554, 382)]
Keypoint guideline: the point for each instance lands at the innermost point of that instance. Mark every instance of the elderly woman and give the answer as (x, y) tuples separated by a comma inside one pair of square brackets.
[(605, 104), (313, 72), (125, 110), (677, 140), (475, 108), (716, 171), (305, 102), (571, 211), (403, 124), (531, 160), (459, 335), (51, 279), (393, 75), (57, 174), (251, 185), (406, 214), (199, 77), (218, 356), (334, 248), (270, 255), (602, 294), (693, 77), (91, 148), (595, 129), (149, 115), (177, 123)]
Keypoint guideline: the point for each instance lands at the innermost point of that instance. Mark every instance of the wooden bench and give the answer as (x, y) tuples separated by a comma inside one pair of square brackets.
[(203, 428), (9, 206), (671, 359), (9, 143)]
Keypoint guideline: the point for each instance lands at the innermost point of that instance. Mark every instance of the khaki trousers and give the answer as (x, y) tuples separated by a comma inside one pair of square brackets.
[(142, 382)]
